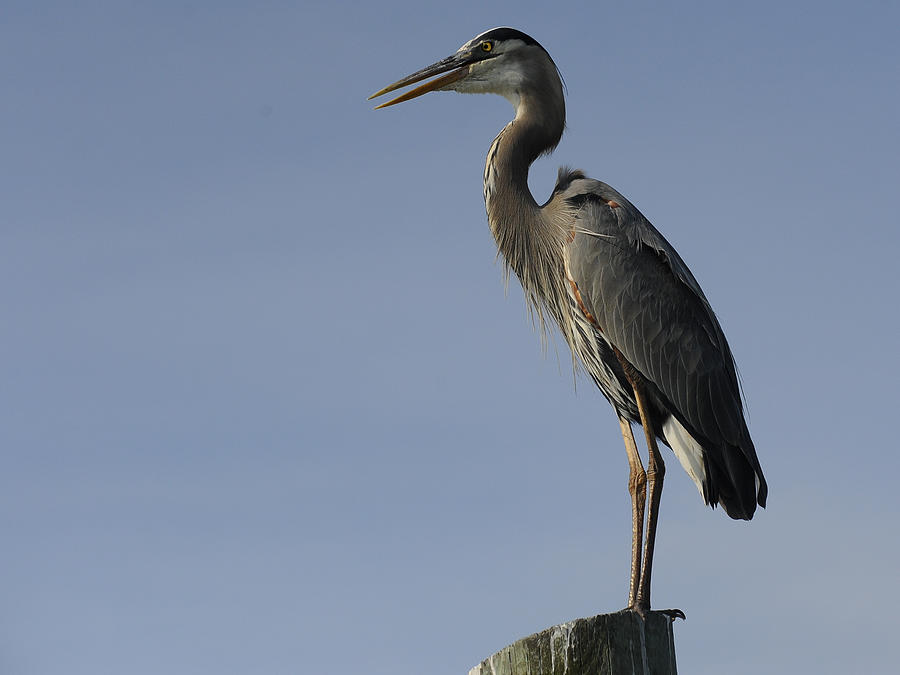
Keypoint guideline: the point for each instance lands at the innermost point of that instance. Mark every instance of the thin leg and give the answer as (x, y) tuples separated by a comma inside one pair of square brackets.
[(656, 471), (637, 488)]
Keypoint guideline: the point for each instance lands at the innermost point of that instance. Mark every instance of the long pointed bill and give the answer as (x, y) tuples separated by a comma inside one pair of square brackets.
[(457, 64)]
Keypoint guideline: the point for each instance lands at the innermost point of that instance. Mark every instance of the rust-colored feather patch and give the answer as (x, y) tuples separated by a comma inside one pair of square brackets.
[(584, 310)]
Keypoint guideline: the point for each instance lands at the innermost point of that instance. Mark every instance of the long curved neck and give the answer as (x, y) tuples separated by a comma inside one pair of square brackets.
[(511, 154), (511, 208), (507, 198), (528, 239)]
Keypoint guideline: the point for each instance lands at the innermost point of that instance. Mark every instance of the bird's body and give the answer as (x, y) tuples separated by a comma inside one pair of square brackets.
[(624, 300)]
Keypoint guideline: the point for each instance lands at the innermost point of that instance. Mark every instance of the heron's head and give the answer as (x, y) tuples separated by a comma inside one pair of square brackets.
[(501, 61)]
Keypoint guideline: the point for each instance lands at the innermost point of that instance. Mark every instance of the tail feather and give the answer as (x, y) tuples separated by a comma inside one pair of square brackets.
[(723, 475), (735, 483)]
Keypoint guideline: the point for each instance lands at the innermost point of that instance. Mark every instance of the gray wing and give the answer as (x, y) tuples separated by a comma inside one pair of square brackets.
[(649, 306)]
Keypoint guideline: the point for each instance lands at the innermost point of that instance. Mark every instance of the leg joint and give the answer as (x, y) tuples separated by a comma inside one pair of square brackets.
[(637, 480)]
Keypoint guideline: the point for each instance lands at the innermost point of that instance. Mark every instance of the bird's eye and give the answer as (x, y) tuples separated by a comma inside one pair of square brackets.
[(486, 46)]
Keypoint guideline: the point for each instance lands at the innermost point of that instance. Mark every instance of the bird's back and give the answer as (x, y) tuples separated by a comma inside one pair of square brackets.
[(632, 291)]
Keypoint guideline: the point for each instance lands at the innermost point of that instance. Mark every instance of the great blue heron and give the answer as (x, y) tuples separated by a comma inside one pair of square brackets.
[(626, 303)]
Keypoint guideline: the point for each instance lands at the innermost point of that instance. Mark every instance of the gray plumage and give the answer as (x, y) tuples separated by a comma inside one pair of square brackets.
[(625, 302), (650, 306)]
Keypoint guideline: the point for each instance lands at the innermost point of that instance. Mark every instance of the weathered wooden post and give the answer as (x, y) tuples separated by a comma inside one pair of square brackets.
[(606, 644)]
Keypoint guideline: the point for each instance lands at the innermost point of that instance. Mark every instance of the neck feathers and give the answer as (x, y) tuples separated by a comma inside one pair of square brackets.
[(529, 238)]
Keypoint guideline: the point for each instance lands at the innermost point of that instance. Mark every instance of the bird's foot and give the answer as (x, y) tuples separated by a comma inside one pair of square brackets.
[(672, 614), (643, 611), (640, 610)]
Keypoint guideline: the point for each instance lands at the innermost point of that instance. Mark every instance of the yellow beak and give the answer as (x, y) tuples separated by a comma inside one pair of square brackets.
[(457, 64)]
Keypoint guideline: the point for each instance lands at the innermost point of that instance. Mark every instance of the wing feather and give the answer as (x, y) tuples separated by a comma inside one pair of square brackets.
[(650, 307)]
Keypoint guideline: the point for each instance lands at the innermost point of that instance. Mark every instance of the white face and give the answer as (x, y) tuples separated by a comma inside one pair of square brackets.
[(500, 72)]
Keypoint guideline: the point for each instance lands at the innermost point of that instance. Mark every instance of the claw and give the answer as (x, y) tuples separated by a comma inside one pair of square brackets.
[(672, 614), (643, 611)]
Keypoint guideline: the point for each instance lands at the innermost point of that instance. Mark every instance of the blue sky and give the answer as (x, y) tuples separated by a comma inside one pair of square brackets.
[(265, 407)]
